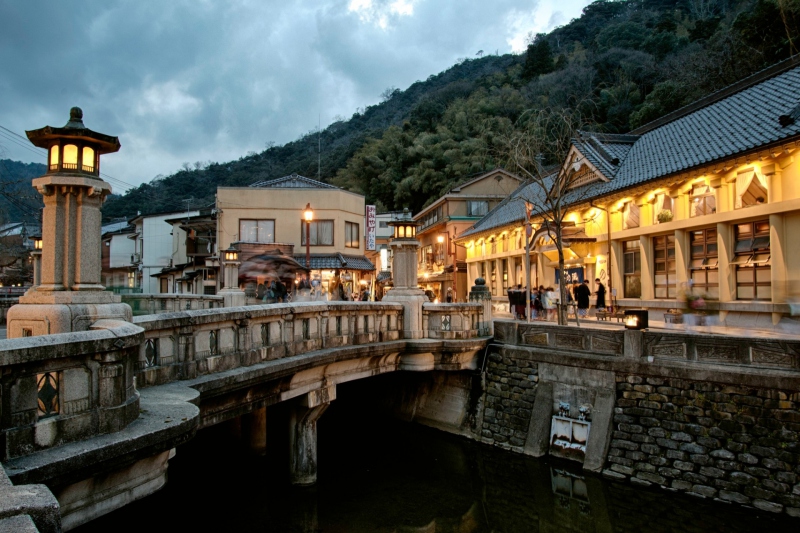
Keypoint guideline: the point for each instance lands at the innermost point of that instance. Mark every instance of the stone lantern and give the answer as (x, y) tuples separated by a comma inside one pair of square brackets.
[(232, 295), (69, 296), (405, 283)]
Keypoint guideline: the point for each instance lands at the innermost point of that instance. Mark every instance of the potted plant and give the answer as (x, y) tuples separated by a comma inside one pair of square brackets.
[(665, 215)]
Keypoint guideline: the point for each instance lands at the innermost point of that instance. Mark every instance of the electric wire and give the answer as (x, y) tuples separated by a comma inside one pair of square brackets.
[(23, 143)]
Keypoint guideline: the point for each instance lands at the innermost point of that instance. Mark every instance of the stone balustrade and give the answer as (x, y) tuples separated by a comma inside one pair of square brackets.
[(152, 304), (186, 344), (62, 388), (453, 320), (656, 345)]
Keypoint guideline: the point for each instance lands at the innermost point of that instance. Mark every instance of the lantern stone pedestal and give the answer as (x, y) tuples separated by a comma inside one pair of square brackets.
[(69, 296), (404, 276), (232, 295)]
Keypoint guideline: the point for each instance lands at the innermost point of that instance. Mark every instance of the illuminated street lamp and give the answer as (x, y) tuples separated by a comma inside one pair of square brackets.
[(37, 260), (231, 257), (308, 214)]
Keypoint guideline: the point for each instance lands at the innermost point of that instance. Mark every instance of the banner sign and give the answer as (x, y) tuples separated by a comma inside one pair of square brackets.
[(572, 275), (371, 227)]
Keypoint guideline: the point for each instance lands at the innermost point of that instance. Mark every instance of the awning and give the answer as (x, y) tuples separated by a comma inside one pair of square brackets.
[(336, 261), (437, 278), (543, 239), (383, 275)]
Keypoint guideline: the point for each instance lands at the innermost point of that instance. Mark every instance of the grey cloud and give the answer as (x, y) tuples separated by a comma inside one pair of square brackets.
[(189, 80)]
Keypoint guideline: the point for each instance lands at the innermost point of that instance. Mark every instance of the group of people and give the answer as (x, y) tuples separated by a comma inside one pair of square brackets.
[(272, 291), (544, 300)]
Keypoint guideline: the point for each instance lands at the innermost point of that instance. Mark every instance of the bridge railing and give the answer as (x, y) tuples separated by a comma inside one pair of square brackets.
[(62, 388), (186, 344), (655, 345), (452, 321), (151, 304)]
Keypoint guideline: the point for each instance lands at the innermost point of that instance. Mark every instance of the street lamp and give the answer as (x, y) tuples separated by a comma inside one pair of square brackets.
[(308, 214), (36, 254), (231, 255)]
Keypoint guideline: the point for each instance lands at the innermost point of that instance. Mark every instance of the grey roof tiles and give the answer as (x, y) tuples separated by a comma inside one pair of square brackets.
[(746, 116)]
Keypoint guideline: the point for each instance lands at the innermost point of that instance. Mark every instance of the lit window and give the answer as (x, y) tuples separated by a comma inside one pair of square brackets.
[(704, 262), (70, 157), (54, 157), (664, 263), (703, 201), (663, 209), (630, 216), (632, 257), (88, 159), (751, 261)]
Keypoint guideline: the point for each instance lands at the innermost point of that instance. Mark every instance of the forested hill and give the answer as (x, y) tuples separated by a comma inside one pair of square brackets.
[(621, 65), (19, 201)]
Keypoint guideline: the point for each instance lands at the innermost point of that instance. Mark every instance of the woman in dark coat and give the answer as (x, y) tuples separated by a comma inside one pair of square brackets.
[(582, 294), (601, 295)]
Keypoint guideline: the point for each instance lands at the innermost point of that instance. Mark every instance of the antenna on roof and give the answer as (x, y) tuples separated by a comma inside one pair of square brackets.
[(319, 147)]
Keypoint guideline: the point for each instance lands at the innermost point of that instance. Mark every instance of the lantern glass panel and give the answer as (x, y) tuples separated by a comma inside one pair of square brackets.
[(88, 159), (54, 156), (70, 156)]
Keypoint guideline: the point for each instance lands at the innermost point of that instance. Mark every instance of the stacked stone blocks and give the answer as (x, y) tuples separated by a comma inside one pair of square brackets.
[(719, 441), (510, 391)]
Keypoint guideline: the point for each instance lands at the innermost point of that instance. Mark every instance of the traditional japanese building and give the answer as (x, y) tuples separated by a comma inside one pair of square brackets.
[(705, 198), (442, 263)]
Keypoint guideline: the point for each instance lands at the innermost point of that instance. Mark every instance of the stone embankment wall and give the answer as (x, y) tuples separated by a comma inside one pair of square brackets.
[(734, 443), (511, 380), (717, 417)]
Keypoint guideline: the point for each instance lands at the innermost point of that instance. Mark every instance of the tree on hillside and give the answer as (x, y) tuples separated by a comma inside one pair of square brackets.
[(539, 151), (538, 58)]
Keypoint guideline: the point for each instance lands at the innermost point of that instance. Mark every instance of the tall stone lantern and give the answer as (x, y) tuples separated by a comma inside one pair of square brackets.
[(69, 295), (405, 288)]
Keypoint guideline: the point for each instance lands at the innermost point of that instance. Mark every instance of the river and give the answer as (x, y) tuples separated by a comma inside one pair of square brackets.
[(381, 475)]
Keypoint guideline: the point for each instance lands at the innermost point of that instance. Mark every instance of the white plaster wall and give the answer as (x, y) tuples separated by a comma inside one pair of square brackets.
[(121, 250), (158, 247)]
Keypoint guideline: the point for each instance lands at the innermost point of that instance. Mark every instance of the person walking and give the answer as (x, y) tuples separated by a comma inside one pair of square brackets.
[(582, 295), (601, 295)]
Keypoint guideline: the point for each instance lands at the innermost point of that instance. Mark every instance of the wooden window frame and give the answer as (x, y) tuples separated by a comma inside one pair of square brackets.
[(661, 267)]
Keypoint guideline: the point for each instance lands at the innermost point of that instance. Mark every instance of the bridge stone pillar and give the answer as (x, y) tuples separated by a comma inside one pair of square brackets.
[(254, 428), (303, 434)]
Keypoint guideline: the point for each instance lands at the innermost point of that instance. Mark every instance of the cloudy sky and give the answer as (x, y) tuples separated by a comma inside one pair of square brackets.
[(197, 80)]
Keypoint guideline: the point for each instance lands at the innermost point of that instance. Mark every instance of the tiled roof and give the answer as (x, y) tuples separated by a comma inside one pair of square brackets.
[(606, 152), (294, 181), (336, 261), (752, 114)]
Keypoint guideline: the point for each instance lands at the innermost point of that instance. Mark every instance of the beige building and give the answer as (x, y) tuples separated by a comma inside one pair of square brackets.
[(700, 202), (269, 216), (441, 262)]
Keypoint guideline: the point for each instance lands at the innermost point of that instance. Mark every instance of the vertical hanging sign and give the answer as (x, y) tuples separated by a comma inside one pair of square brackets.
[(370, 227)]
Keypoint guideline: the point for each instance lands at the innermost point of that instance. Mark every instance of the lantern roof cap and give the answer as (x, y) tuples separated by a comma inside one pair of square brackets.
[(403, 219), (74, 129)]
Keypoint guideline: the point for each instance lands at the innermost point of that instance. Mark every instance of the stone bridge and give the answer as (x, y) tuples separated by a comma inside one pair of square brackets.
[(100, 412)]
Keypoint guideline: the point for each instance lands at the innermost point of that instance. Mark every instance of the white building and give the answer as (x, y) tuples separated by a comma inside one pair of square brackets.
[(155, 247)]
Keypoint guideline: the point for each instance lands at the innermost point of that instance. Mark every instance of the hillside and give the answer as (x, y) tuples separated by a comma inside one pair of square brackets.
[(618, 66), (19, 202)]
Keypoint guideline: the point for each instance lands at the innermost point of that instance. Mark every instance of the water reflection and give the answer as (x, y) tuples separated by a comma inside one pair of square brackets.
[(399, 478)]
